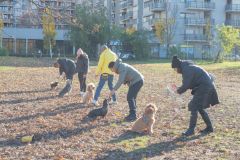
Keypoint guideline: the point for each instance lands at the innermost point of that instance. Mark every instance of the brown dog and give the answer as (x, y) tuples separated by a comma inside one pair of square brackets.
[(145, 123), (88, 96)]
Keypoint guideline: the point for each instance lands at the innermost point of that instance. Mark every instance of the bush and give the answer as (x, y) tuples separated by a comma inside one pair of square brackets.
[(175, 50), (4, 52)]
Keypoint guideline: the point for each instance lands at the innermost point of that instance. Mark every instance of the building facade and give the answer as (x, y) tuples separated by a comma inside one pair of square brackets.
[(195, 21), (22, 32), (193, 31)]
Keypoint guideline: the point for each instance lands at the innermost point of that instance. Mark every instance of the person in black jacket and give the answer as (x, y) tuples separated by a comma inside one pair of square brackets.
[(82, 66), (67, 67), (203, 91)]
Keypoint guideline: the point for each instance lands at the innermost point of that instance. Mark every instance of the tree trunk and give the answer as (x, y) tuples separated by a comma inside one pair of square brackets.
[(217, 57), (50, 49)]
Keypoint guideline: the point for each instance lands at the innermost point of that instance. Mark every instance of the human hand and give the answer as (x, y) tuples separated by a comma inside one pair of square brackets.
[(111, 93), (174, 88)]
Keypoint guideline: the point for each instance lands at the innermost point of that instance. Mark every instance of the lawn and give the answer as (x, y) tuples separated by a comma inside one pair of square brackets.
[(29, 107)]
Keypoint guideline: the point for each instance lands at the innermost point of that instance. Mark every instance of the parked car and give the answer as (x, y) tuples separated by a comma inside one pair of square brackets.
[(233, 57), (127, 56)]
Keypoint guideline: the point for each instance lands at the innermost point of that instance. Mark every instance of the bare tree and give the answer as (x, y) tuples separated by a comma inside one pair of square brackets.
[(166, 28)]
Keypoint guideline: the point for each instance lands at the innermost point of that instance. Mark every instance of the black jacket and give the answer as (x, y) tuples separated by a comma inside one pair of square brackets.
[(82, 64), (201, 83), (67, 66)]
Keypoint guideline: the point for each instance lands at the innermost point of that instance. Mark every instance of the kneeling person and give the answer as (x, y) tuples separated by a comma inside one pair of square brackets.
[(133, 78), (68, 67)]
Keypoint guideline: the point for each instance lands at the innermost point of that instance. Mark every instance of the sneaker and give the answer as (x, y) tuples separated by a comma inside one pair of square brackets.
[(130, 118), (95, 103), (113, 102), (189, 132), (81, 94), (207, 130)]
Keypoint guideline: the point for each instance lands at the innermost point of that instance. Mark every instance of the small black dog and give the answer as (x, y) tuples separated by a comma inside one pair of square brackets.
[(54, 85), (100, 112)]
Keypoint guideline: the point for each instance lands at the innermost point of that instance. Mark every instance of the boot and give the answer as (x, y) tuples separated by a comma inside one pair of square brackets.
[(192, 124), (188, 132), (207, 121), (207, 130), (131, 117)]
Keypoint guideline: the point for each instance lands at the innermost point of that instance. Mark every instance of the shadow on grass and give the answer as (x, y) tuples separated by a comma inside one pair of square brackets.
[(16, 101), (58, 110), (126, 136), (21, 92), (153, 150), (51, 135)]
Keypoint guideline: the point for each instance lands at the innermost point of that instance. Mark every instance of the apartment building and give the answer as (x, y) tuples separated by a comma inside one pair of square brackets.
[(195, 21), (22, 17), (193, 30)]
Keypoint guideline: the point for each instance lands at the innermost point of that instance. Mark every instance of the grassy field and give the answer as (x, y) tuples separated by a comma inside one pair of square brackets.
[(29, 107)]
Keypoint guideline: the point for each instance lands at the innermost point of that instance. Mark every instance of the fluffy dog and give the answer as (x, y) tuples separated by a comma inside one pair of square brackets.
[(54, 84), (88, 96), (100, 112), (145, 123)]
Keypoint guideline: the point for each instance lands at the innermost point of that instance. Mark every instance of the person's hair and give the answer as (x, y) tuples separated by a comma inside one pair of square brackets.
[(111, 64), (56, 64)]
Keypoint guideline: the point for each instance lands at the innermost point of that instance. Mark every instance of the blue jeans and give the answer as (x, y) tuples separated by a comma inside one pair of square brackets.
[(101, 83)]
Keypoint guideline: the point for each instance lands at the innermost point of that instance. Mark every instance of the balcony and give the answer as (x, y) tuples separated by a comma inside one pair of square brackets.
[(232, 8), (234, 23), (126, 16), (153, 21), (130, 2), (205, 6), (131, 23), (158, 7), (195, 38), (198, 21), (124, 5)]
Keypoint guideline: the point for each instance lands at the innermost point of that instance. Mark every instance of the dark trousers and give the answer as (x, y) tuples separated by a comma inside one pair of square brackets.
[(194, 116), (132, 95), (67, 88), (82, 82)]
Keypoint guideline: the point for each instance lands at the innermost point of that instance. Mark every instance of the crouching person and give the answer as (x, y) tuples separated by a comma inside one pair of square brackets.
[(133, 78), (67, 67), (203, 91)]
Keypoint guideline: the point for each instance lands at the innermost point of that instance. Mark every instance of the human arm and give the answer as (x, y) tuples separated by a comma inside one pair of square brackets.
[(100, 64), (186, 82)]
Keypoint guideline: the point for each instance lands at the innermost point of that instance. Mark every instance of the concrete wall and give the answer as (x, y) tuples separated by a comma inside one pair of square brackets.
[(31, 33)]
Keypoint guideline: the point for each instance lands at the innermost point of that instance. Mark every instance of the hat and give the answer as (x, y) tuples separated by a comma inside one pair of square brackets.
[(176, 62)]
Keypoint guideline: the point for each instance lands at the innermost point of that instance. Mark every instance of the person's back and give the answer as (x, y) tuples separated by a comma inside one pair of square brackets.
[(127, 74), (67, 66), (106, 57), (198, 74)]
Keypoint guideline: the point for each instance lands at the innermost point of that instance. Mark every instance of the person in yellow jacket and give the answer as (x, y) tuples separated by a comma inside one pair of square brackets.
[(106, 56)]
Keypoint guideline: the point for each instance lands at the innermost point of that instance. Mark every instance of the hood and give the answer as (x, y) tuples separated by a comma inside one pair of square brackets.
[(117, 64), (186, 63), (83, 56), (61, 61)]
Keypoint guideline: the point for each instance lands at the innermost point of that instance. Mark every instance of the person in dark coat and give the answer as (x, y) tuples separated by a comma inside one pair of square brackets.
[(203, 91), (82, 66), (67, 67)]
